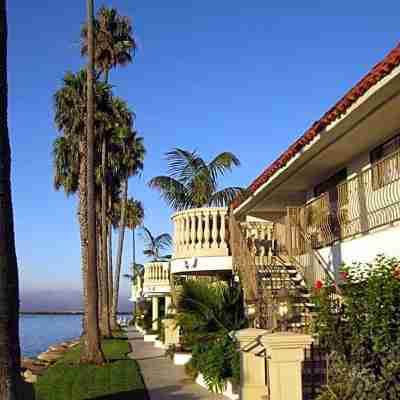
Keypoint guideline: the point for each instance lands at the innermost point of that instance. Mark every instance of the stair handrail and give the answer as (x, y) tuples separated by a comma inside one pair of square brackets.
[(240, 250), (314, 252)]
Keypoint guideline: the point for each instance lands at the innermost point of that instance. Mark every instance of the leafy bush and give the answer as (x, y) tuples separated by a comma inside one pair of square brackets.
[(216, 361), (207, 314), (207, 311), (362, 332), (144, 316)]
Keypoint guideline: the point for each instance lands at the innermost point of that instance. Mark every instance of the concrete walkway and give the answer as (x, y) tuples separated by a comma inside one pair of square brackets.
[(163, 379)]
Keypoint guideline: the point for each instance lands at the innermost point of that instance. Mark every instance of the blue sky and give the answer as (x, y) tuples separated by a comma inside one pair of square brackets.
[(248, 77)]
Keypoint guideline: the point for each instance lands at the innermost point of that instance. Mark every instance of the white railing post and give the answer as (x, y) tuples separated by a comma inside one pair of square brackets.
[(214, 233), (207, 229), (199, 230), (223, 244)]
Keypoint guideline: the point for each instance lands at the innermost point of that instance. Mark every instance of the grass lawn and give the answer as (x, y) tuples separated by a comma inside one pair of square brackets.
[(119, 379)]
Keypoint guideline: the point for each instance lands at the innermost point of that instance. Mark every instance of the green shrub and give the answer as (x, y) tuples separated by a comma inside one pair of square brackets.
[(362, 332), (216, 361)]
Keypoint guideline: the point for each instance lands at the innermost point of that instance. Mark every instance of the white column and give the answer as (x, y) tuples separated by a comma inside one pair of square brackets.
[(167, 304), (154, 300)]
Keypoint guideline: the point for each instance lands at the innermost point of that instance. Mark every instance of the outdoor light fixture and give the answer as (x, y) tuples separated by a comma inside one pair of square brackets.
[(283, 308)]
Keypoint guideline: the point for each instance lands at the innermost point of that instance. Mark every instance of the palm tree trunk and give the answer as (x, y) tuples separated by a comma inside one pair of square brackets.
[(110, 269), (99, 275), (119, 254), (92, 352), (9, 293), (83, 233), (105, 309), (133, 267)]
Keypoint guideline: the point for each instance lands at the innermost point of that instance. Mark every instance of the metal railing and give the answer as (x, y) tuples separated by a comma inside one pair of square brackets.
[(366, 201)]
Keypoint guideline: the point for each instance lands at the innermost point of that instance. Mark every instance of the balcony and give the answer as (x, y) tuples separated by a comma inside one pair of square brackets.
[(201, 240), (156, 278), (364, 202)]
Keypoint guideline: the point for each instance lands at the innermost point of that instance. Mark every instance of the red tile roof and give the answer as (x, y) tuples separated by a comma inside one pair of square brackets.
[(377, 73)]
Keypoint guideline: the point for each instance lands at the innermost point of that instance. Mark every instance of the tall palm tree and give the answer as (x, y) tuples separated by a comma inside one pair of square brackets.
[(70, 149), (9, 294), (133, 219), (136, 278), (128, 161), (154, 246), (115, 46), (192, 182), (92, 352)]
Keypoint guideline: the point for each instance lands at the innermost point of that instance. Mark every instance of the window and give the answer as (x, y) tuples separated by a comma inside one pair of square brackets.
[(385, 168)]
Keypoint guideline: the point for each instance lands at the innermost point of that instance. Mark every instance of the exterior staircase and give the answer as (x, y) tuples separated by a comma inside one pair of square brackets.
[(284, 299), (277, 279)]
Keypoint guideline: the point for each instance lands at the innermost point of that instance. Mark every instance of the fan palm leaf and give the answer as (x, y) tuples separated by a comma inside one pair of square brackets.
[(192, 182)]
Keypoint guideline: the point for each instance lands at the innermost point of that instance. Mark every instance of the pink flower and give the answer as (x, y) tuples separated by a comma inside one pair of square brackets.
[(396, 272), (344, 275), (318, 285)]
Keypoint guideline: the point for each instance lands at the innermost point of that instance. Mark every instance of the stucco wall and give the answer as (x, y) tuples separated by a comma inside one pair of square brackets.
[(365, 248)]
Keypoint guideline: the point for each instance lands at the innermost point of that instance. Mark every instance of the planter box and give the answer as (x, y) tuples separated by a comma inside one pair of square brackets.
[(150, 338), (182, 358), (228, 391), (159, 344)]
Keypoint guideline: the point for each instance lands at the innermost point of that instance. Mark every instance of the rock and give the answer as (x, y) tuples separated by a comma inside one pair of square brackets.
[(30, 377), (50, 356)]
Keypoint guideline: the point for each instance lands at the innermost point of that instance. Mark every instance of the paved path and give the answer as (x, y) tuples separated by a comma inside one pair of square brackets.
[(163, 379)]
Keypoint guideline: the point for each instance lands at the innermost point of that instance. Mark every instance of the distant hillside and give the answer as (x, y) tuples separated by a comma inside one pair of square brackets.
[(59, 300)]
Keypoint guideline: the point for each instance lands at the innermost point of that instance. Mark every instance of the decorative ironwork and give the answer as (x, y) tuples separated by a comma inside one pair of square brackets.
[(314, 371), (366, 201)]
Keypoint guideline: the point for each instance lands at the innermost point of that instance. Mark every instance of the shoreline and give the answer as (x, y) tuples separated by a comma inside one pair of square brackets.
[(34, 366), (62, 313)]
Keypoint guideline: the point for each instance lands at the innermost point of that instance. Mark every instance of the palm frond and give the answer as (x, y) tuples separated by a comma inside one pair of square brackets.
[(172, 191), (163, 241), (183, 165), (224, 197), (222, 163)]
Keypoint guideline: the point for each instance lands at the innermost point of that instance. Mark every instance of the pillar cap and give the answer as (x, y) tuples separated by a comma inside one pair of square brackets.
[(286, 340), (249, 334)]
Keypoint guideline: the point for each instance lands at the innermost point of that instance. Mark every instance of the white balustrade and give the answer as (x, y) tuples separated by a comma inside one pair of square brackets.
[(156, 275), (201, 232)]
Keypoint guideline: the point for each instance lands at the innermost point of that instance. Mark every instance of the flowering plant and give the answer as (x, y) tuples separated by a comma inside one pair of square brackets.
[(362, 328)]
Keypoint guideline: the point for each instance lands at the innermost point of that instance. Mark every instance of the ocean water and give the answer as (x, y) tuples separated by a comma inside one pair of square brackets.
[(38, 332)]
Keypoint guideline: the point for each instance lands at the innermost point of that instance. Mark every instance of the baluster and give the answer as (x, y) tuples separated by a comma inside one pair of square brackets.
[(181, 234), (223, 230), (214, 233), (193, 231), (263, 252), (207, 229), (200, 230), (187, 233)]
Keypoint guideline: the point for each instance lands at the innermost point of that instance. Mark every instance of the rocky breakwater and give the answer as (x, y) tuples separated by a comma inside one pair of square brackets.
[(31, 368)]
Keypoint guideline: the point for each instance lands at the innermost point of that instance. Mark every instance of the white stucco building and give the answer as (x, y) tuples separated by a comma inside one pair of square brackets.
[(335, 193)]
